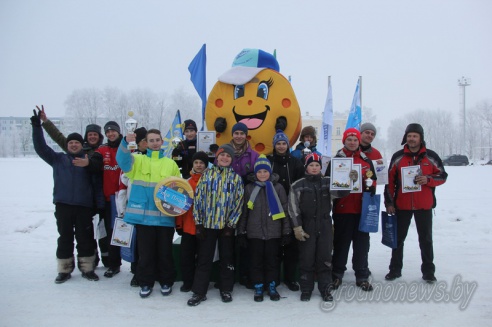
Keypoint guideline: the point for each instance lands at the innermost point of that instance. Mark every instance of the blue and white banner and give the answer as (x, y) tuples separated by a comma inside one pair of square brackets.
[(175, 131), (355, 114)]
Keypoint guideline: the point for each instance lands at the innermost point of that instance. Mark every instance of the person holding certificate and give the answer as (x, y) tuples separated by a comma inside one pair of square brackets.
[(413, 174), (347, 214)]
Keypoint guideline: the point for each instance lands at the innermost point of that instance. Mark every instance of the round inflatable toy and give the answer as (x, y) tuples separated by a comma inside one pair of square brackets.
[(173, 196), (253, 92)]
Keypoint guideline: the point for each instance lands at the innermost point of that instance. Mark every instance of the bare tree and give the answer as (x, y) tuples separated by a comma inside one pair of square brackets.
[(83, 106)]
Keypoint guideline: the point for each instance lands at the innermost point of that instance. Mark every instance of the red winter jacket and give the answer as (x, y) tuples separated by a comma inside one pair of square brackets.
[(186, 222), (111, 170), (371, 152), (430, 165), (353, 202)]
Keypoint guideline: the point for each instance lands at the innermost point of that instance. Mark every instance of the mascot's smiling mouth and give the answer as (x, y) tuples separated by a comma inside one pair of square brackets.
[(252, 121)]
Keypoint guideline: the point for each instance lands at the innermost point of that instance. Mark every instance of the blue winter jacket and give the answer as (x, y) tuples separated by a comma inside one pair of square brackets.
[(72, 184), (144, 172)]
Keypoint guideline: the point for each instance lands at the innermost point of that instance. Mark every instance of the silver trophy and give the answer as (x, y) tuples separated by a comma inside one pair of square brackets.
[(131, 126), (175, 142)]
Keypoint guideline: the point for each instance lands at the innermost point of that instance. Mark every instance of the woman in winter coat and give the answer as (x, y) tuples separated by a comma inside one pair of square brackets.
[(289, 169)]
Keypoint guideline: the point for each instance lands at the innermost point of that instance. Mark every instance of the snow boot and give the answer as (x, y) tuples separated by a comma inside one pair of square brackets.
[(65, 268), (258, 297), (272, 290)]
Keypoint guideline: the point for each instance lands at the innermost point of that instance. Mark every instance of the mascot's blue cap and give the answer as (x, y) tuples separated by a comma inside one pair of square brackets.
[(247, 64)]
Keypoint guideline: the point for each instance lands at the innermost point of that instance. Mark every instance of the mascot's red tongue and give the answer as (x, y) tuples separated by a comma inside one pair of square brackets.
[(251, 123)]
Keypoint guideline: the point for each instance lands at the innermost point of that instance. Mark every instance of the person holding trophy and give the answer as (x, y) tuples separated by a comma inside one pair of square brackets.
[(185, 149), (155, 230)]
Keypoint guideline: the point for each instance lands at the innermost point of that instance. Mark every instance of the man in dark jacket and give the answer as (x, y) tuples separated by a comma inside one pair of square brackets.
[(418, 201), (73, 199), (289, 169), (92, 140)]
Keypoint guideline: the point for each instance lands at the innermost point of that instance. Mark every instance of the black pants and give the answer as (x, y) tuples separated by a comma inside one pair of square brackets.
[(155, 251), (346, 233), (289, 255), (189, 251), (423, 221), (315, 255), (206, 251), (114, 254), (74, 220), (263, 255)]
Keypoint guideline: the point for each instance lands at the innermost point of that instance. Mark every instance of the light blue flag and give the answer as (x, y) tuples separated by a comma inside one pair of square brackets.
[(175, 131), (197, 69), (355, 114), (324, 143)]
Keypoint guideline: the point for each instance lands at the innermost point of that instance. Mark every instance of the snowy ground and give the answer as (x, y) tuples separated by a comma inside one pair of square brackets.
[(462, 296)]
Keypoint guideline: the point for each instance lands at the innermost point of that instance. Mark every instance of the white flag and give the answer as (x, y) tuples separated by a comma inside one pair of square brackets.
[(324, 143)]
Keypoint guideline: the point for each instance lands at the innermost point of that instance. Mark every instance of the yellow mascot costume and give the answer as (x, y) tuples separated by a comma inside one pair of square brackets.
[(254, 93)]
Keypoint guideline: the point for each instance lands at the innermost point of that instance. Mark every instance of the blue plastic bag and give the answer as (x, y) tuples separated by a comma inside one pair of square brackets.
[(388, 223), (369, 217)]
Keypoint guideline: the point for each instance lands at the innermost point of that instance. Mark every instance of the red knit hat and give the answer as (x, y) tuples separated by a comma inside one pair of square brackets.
[(351, 132)]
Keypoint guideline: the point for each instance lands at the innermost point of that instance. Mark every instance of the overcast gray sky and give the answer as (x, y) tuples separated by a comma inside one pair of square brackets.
[(410, 53)]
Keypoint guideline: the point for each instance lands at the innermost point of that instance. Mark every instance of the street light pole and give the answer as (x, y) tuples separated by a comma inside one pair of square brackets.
[(463, 82)]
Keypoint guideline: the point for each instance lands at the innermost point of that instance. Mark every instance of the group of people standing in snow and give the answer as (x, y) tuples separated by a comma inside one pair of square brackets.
[(260, 212)]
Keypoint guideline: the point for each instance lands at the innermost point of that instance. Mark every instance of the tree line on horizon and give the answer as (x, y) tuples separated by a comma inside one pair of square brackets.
[(443, 131)]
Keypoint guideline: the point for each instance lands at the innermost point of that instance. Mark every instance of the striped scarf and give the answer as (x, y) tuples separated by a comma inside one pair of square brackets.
[(274, 204)]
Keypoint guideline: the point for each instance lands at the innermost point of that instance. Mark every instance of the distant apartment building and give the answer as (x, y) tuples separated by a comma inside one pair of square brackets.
[(337, 131), (16, 136)]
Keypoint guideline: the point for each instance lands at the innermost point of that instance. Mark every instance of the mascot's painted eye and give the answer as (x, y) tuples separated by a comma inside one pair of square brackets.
[(238, 91), (262, 91)]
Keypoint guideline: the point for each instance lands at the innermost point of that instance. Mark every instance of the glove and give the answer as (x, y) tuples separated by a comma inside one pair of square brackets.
[(227, 231), (201, 234), (179, 231), (242, 241), (372, 190), (213, 147), (300, 234), (286, 239), (354, 175), (281, 123), (35, 120), (220, 124)]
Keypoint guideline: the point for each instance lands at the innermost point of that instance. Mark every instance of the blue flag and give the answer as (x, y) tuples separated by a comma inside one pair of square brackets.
[(324, 143), (355, 114), (197, 69), (175, 132)]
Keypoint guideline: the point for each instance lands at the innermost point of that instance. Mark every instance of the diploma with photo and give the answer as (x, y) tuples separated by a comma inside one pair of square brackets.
[(408, 175), (340, 170), (122, 233), (357, 185)]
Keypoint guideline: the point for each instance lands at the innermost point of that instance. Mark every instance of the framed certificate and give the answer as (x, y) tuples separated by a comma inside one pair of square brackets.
[(340, 170), (357, 185), (204, 140), (408, 175), (122, 233)]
